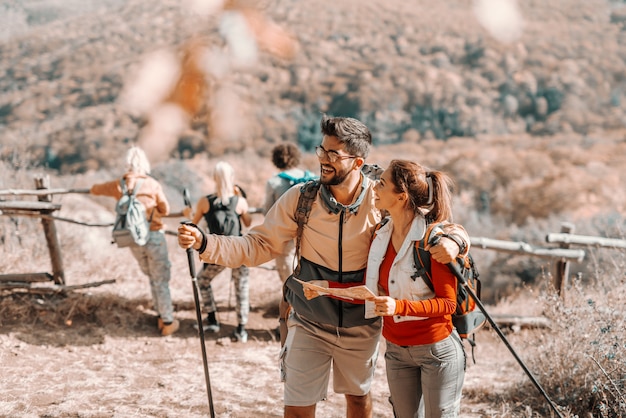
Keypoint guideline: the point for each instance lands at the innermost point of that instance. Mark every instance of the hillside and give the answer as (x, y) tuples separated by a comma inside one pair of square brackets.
[(95, 352), (411, 70)]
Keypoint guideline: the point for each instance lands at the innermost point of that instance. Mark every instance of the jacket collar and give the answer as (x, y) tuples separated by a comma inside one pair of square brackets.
[(416, 232), (335, 207)]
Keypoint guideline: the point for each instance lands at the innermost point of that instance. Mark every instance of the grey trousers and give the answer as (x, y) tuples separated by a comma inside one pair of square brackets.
[(154, 262), (433, 371)]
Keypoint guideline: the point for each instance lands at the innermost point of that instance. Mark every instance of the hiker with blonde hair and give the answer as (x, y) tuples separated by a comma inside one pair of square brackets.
[(224, 211), (153, 257)]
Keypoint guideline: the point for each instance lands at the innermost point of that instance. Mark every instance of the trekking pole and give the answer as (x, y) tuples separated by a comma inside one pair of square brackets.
[(196, 299), (434, 240)]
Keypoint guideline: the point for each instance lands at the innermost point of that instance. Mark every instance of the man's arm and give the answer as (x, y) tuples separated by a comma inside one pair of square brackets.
[(454, 243), (262, 243)]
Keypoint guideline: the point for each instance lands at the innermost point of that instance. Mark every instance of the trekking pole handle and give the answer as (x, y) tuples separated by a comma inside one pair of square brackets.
[(192, 264), (190, 260)]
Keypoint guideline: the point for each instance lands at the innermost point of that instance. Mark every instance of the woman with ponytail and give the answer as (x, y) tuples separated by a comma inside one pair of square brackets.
[(424, 358)]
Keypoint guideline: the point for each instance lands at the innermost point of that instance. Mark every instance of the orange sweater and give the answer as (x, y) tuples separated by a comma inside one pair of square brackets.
[(438, 309)]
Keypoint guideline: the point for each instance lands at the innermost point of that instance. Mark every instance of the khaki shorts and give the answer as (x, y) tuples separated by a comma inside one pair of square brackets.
[(310, 350)]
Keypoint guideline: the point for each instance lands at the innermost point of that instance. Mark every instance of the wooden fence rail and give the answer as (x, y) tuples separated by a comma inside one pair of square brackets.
[(566, 238), (586, 241), (519, 247), (44, 209)]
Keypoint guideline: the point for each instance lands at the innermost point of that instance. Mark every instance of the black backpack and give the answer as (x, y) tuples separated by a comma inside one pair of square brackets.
[(468, 318), (223, 219)]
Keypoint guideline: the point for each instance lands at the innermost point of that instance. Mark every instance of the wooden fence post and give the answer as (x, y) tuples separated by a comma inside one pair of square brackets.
[(50, 231), (562, 266)]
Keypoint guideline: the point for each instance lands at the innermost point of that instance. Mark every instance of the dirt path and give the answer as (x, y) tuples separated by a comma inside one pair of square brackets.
[(96, 353)]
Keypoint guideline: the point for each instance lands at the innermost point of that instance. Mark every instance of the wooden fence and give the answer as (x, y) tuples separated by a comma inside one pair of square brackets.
[(43, 208)]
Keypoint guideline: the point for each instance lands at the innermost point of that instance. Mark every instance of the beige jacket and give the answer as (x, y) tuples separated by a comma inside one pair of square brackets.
[(320, 238)]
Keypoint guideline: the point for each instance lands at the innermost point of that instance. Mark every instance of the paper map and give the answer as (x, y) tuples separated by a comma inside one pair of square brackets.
[(356, 292)]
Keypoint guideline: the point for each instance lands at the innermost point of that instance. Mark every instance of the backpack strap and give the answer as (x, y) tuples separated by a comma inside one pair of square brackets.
[(137, 186), (421, 256), (134, 194), (308, 193), (379, 225), (421, 261), (123, 186)]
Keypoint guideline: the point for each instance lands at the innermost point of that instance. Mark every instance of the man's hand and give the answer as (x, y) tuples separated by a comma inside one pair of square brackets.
[(385, 306), (445, 251), (189, 236), (310, 293)]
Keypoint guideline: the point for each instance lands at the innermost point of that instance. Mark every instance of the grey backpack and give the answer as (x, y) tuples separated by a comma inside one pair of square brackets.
[(131, 228)]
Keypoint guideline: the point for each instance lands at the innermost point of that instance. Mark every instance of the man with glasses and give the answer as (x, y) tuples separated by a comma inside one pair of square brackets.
[(334, 247)]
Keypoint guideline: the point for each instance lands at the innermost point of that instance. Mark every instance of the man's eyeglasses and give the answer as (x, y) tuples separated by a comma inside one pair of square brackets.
[(331, 155)]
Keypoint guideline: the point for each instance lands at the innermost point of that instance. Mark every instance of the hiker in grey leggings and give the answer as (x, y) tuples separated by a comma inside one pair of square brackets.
[(224, 213), (242, 296)]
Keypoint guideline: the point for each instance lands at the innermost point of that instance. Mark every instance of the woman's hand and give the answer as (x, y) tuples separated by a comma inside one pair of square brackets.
[(385, 306), (310, 293), (189, 236)]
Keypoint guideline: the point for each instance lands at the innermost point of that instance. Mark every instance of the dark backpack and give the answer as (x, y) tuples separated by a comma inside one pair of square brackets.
[(131, 228), (468, 318), (223, 219)]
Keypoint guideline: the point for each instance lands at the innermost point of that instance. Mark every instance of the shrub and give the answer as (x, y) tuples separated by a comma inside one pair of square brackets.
[(581, 361)]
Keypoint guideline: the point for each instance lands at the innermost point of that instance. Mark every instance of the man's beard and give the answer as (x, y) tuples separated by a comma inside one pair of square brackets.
[(337, 178)]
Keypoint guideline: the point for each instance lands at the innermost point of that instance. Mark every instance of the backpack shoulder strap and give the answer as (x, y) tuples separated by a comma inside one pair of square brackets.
[(123, 186), (232, 203), (308, 193), (421, 260), (378, 226), (137, 186)]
